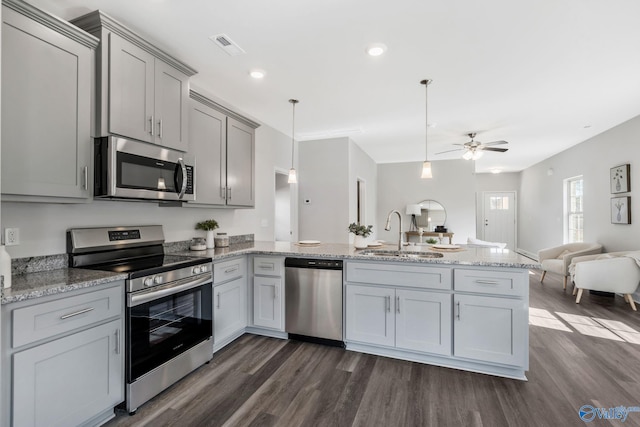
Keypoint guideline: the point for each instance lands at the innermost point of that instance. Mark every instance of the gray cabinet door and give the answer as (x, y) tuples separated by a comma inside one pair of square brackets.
[(208, 133), (46, 107), (68, 381), (229, 309), (171, 106), (490, 329), (267, 302), (423, 321), (240, 164), (370, 315), (131, 90)]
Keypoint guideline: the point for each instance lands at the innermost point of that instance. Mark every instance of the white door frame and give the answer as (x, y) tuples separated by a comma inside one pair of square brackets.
[(515, 215)]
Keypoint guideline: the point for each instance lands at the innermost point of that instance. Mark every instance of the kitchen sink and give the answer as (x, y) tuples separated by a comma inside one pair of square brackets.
[(402, 254)]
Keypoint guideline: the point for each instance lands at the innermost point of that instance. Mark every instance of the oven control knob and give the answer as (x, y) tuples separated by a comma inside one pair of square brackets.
[(148, 282), (197, 270), (158, 280), (204, 269)]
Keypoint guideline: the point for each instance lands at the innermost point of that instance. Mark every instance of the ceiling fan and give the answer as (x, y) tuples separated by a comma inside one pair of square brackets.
[(473, 150)]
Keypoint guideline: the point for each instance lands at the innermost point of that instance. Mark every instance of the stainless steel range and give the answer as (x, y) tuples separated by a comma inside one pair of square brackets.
[(168, 304)]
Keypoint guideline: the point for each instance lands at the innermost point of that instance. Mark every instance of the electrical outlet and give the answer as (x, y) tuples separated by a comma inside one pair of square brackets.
[(11, 236)]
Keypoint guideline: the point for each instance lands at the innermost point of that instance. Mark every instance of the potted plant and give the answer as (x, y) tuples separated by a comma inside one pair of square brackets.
[(208, 226), (361, 232)]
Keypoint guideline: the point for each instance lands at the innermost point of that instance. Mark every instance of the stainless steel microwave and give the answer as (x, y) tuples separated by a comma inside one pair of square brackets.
[(130, 169)]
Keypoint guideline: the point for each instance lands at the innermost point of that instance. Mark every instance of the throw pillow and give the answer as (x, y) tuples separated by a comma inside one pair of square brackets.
[(566, 251)]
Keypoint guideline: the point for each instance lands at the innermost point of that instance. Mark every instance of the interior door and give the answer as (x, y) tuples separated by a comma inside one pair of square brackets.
[(499, 218)]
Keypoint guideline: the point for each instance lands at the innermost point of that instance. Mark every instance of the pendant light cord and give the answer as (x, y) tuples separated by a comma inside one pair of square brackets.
[(293, 129), (426, 84)]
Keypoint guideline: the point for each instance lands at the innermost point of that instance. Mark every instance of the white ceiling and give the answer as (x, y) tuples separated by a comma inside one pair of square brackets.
[(543, 75)]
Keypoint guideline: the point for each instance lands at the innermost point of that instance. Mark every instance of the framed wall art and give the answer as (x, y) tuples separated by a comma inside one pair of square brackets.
[(620, 179), (621, 210)]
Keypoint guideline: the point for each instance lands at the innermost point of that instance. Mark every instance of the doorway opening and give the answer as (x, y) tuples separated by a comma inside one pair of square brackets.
[(360, 201), (282, 217)]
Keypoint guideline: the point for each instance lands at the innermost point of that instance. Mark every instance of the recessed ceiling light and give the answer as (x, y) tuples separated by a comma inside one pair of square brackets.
[(376, 49), (257, 74)]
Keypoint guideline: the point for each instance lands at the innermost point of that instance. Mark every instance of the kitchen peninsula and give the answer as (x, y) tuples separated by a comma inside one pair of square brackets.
[(466, 310)]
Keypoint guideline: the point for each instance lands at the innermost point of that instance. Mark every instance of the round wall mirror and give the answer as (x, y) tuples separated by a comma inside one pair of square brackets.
[(432, 215)]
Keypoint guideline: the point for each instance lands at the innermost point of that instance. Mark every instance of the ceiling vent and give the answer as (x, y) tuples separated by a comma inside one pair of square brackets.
[(225, 43)]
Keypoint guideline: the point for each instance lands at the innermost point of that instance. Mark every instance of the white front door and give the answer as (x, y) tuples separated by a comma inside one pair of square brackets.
[(499, 218)]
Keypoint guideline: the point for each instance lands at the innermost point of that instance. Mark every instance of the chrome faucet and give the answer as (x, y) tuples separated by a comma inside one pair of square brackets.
[(388, 227)]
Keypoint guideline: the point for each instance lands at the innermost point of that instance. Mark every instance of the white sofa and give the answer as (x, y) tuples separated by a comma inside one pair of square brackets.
[(617, 272), (558, 259)]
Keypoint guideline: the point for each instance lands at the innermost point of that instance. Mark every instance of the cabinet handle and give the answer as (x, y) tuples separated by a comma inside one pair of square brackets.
[(458, 305), (269, 267), (85, 176), (487, 282), (231, 270), (218, 305), (160, 128), (228, 193), (151, 125), (398, 304), (117, 341), (77, 313)]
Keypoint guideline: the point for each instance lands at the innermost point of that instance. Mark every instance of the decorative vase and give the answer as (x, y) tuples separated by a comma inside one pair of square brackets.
[(619, 216), (360, 242), (617, 184), (210, 241)]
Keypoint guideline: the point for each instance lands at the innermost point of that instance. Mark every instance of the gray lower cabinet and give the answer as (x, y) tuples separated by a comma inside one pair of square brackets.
[(69, 381), (63, 358), (229, 301), (401, 318), (47, 76), (224, 145), (490, 329), (268, 293)]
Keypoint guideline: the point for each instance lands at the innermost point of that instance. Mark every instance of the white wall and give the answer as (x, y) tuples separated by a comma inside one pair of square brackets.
[(453, 185), (541, 194), (282, 220), (323, 178), (43, 226), (362, 167)]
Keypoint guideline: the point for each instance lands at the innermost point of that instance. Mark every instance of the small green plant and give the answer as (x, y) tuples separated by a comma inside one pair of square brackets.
[(208, 225), (360, 230), (431, 240)]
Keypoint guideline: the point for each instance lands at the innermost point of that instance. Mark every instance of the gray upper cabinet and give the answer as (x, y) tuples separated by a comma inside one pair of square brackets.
[(47, 69), (143, 92), (223, 143)]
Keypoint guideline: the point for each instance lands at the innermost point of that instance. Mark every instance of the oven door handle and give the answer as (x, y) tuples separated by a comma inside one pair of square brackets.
[(169, 289)]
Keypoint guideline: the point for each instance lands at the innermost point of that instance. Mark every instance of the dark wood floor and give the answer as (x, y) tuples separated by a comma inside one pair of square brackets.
[(258, 381)]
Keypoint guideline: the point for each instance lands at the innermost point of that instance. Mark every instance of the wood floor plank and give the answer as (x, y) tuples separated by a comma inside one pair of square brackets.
[(260, 381)]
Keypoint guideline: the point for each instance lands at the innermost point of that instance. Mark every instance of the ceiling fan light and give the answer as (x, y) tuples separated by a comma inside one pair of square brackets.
[(426, 170), (468, 155), (293, 177), (477, 154)]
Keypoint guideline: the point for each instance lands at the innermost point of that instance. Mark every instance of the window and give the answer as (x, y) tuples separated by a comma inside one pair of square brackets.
[(499, 203), (574, 205)]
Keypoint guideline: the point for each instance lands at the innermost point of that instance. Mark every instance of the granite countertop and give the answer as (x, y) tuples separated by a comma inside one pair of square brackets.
[(30, 285), (44, 283), (467, 255)]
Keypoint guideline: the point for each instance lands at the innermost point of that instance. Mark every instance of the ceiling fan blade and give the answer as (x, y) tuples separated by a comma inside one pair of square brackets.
[(495, 143), (449, 151), (500, 150)]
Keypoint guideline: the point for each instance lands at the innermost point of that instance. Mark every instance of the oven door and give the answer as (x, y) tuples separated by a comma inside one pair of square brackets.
[(165, 321), (134, 169)]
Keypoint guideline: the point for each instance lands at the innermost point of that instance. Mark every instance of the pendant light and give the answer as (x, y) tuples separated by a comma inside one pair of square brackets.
[(293, 178), (426, 165)]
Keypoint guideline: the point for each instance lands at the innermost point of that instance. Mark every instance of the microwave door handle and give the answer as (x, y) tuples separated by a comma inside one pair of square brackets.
[(183, 168)]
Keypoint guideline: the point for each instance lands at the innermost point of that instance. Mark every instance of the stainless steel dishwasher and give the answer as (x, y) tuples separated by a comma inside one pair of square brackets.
[(313, 300)]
